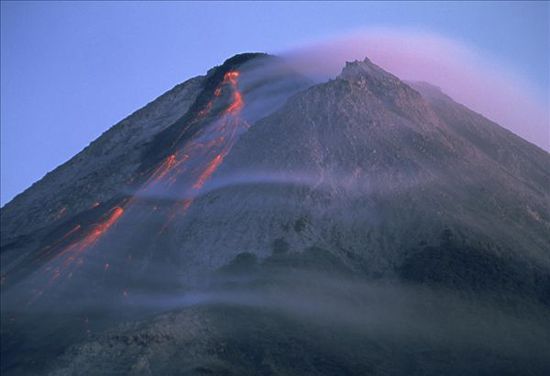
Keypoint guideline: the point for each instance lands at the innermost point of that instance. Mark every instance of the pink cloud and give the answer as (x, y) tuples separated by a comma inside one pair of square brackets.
[(465, 74)]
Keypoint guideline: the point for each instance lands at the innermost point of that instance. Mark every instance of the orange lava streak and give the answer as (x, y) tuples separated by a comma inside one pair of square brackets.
[(164, 168), (231, 76), (71, 259), (212, 166), (232, 110), (205, 151), (206, 110), (75, 229), (100, 229), (237, 103)]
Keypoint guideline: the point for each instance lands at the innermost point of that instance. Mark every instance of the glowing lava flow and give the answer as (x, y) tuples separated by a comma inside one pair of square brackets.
[(72, 251), (231, 77), (206, 151), (212, 166), (70, 257), (163, 169), (73, 231), (238, 102), (227, 127), (181, 172), (99, 229)]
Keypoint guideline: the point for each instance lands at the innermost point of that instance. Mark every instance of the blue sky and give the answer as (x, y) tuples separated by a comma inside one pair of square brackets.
[(71, 70)]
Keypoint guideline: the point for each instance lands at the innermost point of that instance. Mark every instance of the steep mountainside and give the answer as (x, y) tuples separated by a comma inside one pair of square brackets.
[(366, 167), (250, 222), (98, 172), (196, 123)]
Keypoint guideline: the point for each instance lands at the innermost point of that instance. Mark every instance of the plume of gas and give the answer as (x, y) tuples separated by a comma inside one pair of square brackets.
[(463, 72)]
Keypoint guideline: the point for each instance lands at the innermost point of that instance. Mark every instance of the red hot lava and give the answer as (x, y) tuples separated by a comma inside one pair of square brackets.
[(212, 166), (223, 129), (238, 103), (205, 152), (207, 149), (96, 232)]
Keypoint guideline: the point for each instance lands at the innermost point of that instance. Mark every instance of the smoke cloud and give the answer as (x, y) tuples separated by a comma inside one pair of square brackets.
[(462, 72)]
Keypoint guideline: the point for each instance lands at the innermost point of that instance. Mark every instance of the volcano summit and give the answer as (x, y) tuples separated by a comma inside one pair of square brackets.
[(252, 221)]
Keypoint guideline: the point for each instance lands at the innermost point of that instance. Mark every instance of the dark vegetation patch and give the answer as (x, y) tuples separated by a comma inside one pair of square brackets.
[(462, 267), (300, 224)]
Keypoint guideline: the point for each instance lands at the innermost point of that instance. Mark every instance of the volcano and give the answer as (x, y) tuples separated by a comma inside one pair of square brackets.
[(253, 221)]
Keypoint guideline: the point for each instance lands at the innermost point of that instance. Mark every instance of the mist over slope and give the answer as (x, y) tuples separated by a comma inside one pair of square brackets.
[(252, 222), (481, 82)]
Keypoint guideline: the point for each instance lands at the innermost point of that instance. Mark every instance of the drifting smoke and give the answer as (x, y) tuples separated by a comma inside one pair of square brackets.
[(139, 271), (353, 183), (460, 71), (384, 311)]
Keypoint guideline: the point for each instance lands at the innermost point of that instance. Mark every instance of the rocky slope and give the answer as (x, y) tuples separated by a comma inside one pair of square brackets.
[(359, 226), (98, 172), (367, 167)]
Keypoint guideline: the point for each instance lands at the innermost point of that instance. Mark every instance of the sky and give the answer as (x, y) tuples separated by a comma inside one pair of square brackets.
[(71, 70)]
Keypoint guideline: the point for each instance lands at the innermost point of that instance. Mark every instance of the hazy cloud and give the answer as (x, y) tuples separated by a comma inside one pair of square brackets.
[(462, 72)]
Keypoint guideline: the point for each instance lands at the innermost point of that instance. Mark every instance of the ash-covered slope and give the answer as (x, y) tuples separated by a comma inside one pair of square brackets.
[(100, 171), (359, 226), (368, 168), (190, 128)]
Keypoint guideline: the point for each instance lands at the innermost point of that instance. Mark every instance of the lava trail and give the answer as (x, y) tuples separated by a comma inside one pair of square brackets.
[(206, 150), (183, 173)]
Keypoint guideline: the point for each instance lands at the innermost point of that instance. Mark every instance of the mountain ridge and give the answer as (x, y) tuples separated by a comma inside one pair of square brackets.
[(276, 207)]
